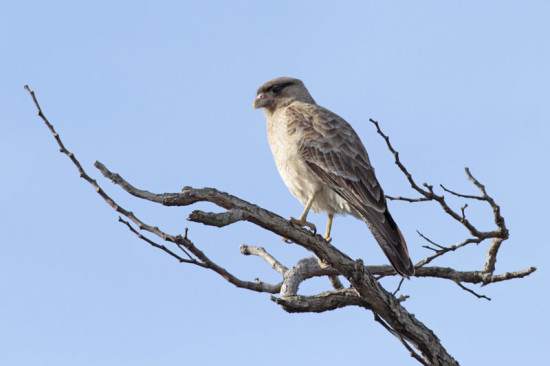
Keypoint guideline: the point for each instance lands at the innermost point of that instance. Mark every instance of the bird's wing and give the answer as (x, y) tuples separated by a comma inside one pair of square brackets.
[(334, 152)]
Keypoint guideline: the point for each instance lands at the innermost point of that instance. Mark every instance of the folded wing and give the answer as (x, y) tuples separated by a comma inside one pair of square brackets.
[(333, 151)]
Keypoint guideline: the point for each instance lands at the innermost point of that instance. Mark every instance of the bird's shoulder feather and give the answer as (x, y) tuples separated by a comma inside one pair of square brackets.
[(333, 150)]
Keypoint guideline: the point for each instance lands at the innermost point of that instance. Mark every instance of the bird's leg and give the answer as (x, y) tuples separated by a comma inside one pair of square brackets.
[(302, 220), (329, 227), (327, 238)]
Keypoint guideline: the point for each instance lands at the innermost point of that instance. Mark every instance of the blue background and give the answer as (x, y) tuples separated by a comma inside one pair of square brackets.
[(162, 93)]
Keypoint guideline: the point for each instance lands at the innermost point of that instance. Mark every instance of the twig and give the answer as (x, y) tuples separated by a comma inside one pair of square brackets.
[(262, 253), (444, 250), (472, 291), (430, 194), (399, 164), (462, 195), (412, 353), (160, 246), (463, 208), (399, 198), (398, 286), (430, 241)]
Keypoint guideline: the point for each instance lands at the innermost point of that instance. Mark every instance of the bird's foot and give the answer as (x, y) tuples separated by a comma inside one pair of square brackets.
[(304, 223), (321, 263), (328, 238), (301, 223)]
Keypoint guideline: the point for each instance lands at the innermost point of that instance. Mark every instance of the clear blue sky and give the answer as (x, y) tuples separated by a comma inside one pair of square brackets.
[(162, 93)]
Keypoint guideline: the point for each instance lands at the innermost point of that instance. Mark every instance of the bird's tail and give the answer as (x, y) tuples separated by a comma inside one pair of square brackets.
[(393, 245)]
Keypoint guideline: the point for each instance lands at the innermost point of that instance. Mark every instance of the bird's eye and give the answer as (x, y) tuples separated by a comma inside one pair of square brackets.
[(276, 89)]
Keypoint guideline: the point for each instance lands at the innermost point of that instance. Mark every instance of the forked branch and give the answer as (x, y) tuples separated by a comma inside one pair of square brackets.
[(365, 290)]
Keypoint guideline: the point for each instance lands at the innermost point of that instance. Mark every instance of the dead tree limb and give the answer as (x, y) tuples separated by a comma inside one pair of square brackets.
[(365, 291)]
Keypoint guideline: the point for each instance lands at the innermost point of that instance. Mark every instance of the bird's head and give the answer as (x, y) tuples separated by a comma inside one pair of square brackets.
[(281, 92)]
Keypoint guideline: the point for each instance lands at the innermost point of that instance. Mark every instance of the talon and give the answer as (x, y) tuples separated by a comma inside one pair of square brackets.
[(286, 240), (321, 263), (304, 223), (328, 239)]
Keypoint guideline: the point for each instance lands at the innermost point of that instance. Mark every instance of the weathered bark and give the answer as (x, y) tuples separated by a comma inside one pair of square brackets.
[(365, 291)]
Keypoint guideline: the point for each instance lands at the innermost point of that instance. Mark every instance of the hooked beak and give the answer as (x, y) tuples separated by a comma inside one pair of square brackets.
[(261, 101)]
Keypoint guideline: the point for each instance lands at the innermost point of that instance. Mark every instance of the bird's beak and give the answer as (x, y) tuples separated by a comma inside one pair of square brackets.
[(261, 101)]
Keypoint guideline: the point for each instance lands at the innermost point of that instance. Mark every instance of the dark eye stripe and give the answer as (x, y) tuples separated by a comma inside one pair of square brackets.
[(280, 86)]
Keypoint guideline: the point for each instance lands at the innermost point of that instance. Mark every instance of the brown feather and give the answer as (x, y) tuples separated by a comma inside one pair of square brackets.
[(334, 153)]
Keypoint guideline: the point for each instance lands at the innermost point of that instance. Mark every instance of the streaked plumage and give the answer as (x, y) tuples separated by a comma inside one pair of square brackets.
[(318, 153)]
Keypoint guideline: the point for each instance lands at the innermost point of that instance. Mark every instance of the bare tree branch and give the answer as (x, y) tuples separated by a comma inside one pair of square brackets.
[(411, 200), (297, 274), (221, 219), (498, 236), (160, 246), (408, 175), (190, 195), (322, 302), (365, 291), (398, 286), (401, 339), (444, 250), (473, 292), (430, 195), (461, 195), (430, 241), (262, 253), (335, 282)]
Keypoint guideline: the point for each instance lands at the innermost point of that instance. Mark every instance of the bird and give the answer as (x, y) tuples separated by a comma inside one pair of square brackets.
[(324, 164)]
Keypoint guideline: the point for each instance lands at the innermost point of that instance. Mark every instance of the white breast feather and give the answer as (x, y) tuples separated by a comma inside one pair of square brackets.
[(293, 170)]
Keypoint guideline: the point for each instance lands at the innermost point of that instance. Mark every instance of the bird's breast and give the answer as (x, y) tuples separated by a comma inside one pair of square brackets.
[(298, 177), (291, 166)]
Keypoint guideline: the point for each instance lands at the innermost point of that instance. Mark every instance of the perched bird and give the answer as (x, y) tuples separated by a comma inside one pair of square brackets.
[(325, 166)]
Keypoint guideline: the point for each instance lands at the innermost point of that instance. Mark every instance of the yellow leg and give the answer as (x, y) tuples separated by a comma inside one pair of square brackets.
[(302, 220), (329, 227), (327, 237), (303, 217)]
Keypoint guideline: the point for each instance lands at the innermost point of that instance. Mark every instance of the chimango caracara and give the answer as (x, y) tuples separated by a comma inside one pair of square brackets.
[(325, 166)]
